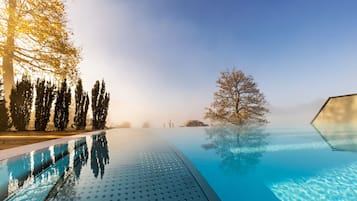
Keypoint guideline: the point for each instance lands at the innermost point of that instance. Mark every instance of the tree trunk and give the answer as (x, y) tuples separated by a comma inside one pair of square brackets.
[(9, 48)]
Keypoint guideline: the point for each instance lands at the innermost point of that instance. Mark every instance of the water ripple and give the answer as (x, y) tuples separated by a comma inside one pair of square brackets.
[(333, 184)]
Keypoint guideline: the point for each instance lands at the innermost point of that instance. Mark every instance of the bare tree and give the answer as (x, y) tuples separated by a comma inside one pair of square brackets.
[(146, 124), (238, 100)]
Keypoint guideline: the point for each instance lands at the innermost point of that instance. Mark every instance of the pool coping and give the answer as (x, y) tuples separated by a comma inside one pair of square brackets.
[(24, 149)]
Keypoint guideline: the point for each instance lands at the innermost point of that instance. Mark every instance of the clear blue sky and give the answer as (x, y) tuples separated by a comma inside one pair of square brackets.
[(161, 57)]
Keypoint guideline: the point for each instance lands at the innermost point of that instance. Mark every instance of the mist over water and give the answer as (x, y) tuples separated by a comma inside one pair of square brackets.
[(160, 60)]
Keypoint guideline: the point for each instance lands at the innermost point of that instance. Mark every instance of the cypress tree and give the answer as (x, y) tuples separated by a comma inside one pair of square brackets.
[(82, 103), (21, 103), (63, 100), (45, 94), (4, 115), (100, 104)]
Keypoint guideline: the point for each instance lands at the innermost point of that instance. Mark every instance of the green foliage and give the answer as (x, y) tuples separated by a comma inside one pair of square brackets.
[(82, 103), (21, 103), (100, 104), (4, 115), (63, 100), (45, 94)]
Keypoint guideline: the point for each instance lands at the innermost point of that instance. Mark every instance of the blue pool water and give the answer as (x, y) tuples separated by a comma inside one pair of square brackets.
[(305, 163), (273, 164)]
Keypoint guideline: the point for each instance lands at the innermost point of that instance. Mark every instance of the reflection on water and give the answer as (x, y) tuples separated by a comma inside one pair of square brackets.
[(81, 154), (340, 137), (36, 169), (37, 172), (99, 154), (20, 169), (228, 142)]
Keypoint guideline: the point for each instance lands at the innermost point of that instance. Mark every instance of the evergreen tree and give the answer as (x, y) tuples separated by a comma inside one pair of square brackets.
[(45, 94), (82, 103), (21, 103), (100, 104), (63, 100), (4, 115)]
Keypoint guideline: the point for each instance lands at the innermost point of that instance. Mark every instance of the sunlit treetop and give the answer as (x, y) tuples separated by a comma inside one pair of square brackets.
[(42, 43)]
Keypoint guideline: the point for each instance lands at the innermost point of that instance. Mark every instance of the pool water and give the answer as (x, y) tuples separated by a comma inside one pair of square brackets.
[(273, 163), (306, 163), (33, 175)]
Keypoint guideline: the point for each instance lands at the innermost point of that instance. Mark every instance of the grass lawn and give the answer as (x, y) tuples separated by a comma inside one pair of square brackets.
[(12, 139)]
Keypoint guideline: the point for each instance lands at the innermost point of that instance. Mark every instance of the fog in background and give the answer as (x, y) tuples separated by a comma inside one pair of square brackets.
[(160, 59)]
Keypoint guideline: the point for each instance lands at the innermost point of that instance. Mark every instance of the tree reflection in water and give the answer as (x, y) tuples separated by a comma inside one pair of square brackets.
[(80, 156), (99, 154), (239, 147), (41, 166), (35, 168), (61, 154), (19, 171)]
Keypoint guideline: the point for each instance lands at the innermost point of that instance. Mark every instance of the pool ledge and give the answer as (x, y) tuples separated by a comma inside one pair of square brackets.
[(21, 150)]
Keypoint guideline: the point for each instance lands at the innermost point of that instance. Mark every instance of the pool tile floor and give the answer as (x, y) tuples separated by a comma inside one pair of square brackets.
[(139, 167)]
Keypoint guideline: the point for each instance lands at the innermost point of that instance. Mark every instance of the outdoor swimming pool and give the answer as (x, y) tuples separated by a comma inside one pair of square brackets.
[(238, 163)]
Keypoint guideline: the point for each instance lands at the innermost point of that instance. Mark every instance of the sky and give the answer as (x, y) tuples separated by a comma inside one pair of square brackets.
[(161, 58)]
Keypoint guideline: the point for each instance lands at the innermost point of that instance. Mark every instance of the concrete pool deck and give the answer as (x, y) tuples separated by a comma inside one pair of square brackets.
[(23, 149), (11, 139), (140, 166)]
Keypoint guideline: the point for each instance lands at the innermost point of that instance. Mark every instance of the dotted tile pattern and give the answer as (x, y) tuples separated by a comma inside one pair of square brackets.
[(146, 175)]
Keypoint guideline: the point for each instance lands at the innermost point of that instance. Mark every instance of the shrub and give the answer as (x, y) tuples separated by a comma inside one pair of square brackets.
[(45, 94), (63, 100), (4, 115), (100, 104), (21, 103), (82, 102)]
